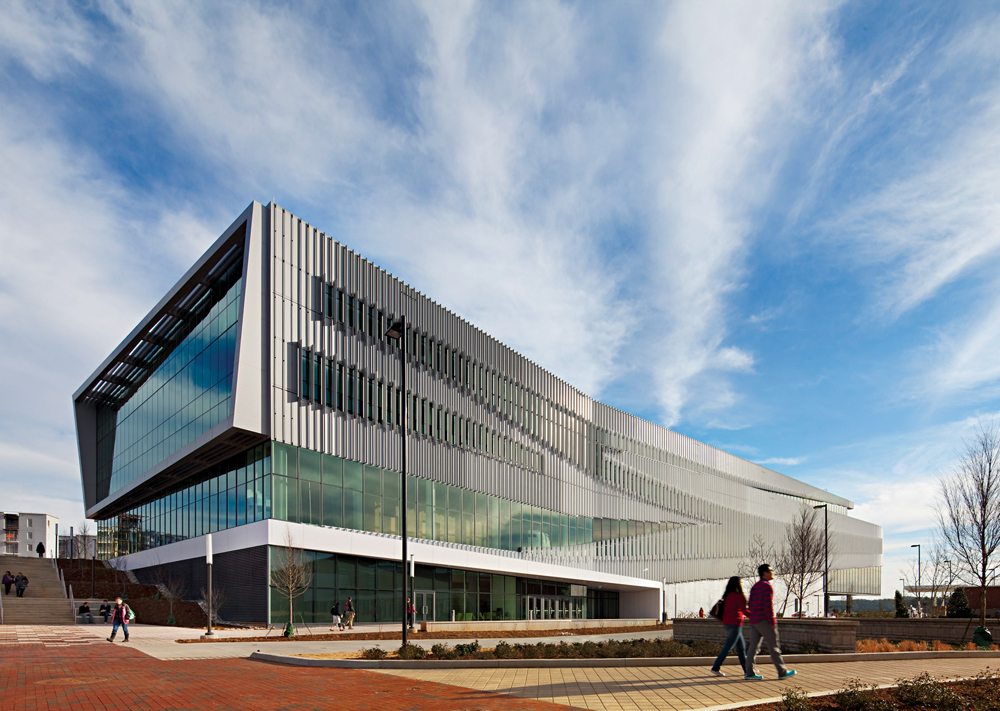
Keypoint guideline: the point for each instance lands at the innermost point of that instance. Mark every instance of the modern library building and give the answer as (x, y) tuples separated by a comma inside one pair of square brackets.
[(266, 400)]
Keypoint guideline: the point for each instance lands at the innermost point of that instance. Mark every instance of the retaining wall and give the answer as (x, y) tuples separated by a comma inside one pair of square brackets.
[(794, 635)]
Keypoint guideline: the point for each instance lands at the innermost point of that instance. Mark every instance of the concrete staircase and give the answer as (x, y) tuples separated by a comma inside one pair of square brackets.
[(44, 602)]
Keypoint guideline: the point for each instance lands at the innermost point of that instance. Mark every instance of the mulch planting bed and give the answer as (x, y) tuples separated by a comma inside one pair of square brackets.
[(302, 635), (921, 693)]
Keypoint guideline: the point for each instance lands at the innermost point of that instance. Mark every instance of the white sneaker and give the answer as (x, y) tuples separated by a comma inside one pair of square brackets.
[(718, 672)]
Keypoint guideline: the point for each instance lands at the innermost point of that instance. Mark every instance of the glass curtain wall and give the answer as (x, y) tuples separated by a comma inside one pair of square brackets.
[(321, 489), (376, 589), (187, 394), (232, 493), (288, 483)]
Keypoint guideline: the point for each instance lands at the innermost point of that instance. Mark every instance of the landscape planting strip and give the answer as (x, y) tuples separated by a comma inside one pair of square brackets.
[(428, 664)]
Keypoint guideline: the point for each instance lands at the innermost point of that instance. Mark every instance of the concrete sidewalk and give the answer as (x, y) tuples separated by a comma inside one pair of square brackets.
[(683, 688), (160, 641)]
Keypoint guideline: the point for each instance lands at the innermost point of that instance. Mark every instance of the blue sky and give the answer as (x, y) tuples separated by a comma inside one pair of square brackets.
[(771, 226)]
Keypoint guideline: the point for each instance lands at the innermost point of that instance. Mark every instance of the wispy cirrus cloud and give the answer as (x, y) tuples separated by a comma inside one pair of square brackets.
[(932, 235), (783, 461)]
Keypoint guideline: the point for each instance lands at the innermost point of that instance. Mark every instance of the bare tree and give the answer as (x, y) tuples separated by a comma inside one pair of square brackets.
[(290, 575), (173, 590), (82, 543), (218, 600), (120, 566), (759, 552), (803, 554), (968, 509)]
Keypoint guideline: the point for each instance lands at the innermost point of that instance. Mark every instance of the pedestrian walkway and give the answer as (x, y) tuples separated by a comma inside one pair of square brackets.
[(118, 678), (682, 688), (160, 641)]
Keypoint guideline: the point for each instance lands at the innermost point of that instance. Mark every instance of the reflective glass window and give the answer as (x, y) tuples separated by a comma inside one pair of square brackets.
[(187, 393)]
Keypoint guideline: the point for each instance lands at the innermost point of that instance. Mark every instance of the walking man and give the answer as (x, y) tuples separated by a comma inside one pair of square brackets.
[(764, 626), (349, 613), (120, 616)]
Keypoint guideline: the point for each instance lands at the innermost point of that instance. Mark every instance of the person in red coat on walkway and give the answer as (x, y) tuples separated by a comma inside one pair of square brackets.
[(734, 609)]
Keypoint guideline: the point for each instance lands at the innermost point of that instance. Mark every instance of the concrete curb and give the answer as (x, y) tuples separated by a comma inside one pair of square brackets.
[(592, 663)]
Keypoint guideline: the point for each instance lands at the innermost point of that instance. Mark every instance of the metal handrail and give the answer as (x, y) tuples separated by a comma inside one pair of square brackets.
[(72, 604), (63, 581)]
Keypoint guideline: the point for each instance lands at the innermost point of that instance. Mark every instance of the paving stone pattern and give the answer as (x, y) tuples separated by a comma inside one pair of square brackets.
[(682, 688), (95, 678)]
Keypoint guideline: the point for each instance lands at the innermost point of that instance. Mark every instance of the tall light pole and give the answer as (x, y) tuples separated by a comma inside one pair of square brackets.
[(397, 332), (826, 558), (920, 607), (208, 594)]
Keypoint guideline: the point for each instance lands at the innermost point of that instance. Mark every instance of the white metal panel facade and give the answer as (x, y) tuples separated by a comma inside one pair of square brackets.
[(557, 448)]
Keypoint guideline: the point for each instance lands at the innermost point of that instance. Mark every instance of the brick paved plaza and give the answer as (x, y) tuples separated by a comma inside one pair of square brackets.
[(74, 668), (87, 677)]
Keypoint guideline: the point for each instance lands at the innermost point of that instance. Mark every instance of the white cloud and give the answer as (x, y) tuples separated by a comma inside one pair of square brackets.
[(79, 270), (934, 234), (47, 39), (742, 76), (783, 461)]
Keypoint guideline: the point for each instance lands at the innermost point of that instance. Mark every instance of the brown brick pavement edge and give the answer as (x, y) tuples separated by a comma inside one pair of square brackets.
[(98, 677)]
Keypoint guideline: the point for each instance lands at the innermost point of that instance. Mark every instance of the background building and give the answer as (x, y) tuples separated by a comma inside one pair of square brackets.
[(260, 401), (23, 531), (77, 545)]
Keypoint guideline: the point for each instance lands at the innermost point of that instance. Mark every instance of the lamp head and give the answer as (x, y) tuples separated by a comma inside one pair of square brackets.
[(396, 330)]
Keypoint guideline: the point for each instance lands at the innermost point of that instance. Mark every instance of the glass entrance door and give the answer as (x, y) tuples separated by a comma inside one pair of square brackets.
[(424, 602)]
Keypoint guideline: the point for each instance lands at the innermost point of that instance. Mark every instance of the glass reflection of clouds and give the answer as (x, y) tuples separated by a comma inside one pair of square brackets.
[(187, 395)]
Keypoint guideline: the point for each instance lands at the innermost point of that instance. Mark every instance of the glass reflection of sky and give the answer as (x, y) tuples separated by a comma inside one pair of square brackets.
[(186, 396)]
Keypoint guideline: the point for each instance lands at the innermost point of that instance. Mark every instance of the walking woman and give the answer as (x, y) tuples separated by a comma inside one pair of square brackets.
[(734, 609), (8, 580)]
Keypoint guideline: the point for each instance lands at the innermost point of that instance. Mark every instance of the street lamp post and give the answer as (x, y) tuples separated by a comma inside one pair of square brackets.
[(413, 594), (826, 558), (208, 592), (397, 332), (920, 607)]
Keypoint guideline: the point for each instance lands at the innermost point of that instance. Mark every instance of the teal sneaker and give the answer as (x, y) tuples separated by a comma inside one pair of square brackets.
[(753, 677), (790, 672)]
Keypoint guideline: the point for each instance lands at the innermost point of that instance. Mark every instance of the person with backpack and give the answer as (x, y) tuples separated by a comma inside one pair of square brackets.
[(335, 613), (764, 626), (349, 613), (121, 615), (731, 610)]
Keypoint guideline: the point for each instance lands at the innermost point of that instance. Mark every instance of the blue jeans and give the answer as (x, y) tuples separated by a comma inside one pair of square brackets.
[(124, 626), (734, 637)]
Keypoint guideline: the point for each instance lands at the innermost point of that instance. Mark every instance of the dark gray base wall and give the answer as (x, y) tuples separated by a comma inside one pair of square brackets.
[(794, 635), (241, 575)]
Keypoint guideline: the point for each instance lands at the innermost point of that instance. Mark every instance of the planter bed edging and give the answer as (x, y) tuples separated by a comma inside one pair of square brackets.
[(614, 662)]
